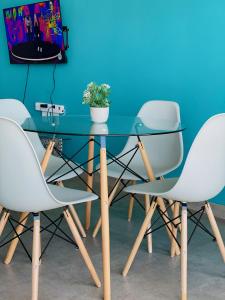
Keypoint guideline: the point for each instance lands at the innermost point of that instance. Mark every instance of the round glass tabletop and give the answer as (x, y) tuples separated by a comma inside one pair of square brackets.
[(80, 125)]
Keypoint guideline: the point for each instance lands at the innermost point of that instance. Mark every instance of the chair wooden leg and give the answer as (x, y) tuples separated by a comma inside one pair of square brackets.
[(82, 248), (35, 256), (131, 205), (90, 179), (184, 252), (139, 238), (14, 243), (130, 208), (176, 212), (75, 215), (151, 177), (3, 221), (77, 221), (149, 236), (215, 230), (169, 227), (172, 206), (99, 223), (88, 215)]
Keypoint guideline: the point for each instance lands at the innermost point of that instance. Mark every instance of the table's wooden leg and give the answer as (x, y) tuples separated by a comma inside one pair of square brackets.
[(19, 229), (90, 179), (82, 248), (139, 238), (215, 229), (105, 220), (99, 223), (184, 252), (149, 236)]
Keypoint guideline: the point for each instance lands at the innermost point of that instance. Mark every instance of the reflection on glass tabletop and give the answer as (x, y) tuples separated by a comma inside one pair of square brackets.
[(81, 125)]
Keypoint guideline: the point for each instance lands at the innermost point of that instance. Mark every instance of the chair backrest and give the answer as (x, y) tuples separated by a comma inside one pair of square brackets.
[(16, 110), (165, 151), (203, 175), (22, 185)]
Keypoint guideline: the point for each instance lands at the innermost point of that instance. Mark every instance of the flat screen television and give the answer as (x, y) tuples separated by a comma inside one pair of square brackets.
[(35, 33)]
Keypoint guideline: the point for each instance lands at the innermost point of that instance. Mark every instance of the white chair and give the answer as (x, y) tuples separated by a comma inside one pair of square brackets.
[(164, 151), (16, 110), (23, 188), (202, 178)]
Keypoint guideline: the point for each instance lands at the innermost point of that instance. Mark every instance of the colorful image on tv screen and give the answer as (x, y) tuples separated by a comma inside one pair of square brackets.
[(35, 33)]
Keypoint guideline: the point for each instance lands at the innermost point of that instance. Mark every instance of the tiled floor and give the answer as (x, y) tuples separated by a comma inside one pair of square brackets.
[(63, 275)]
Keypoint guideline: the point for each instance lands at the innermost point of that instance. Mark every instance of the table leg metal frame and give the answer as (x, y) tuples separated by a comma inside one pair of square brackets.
[(56, 223), (89, 162), (115, 159)]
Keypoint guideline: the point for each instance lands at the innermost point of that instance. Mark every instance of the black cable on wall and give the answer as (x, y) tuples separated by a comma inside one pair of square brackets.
[(26, 83)]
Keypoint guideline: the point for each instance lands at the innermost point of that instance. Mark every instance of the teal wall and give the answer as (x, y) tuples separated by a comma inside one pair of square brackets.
[(148, 49)]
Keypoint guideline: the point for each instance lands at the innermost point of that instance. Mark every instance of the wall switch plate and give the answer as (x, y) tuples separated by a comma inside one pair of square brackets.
[(47, 108)]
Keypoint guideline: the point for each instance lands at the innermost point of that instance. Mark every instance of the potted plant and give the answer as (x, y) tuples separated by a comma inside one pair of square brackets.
[(97, 97)]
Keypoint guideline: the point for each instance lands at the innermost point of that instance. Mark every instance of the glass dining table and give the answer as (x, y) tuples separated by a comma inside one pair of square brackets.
[(81, 125)]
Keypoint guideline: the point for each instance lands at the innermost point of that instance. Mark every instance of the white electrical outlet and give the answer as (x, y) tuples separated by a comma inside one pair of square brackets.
[(47, 108)]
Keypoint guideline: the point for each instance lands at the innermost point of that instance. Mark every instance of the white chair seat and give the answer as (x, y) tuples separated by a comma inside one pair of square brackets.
[(67, 196), (153, 188)]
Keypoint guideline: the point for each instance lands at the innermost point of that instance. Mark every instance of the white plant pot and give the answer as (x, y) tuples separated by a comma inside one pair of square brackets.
[(99, 114)]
